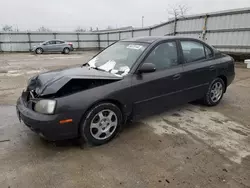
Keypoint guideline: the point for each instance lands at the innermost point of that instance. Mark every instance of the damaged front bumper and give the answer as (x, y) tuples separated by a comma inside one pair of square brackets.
[(48, 126)]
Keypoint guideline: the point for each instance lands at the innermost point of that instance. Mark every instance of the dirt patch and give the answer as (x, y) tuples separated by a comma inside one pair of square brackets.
[(216, 120), (239, 132)]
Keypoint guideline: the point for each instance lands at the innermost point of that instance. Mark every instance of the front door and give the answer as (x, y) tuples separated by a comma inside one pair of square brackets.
[(51, 46), (199, 69), (153, 92)]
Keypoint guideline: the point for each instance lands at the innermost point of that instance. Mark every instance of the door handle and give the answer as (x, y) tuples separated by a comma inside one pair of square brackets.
[(177, 76), (211, 68)]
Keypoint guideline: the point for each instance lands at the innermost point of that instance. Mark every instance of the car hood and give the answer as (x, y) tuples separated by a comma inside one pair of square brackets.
[(50, 82)]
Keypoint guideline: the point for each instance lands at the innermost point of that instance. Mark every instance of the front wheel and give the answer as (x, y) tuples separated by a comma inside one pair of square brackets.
[(215, 92), (101, 124), (39, 51)]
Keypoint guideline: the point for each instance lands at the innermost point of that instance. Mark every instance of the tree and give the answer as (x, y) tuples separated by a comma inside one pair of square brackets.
[(44, 29), (79, 29), (7, 28), (178, 11)]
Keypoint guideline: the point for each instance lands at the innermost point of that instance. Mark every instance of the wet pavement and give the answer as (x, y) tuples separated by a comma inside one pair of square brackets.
[(188, 146)]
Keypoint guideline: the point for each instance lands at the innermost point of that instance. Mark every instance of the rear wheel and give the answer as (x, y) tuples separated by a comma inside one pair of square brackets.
[(215, 92), (39, 51), (101, 124), (66, 50)]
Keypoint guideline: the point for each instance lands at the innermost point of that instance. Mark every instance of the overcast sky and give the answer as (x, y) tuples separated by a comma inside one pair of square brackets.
[(67, 15)]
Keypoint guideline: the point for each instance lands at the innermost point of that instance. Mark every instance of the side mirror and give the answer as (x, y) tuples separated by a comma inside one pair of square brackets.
[(147, 67)]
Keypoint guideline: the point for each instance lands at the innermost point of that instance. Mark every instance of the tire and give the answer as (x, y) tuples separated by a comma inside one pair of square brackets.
[(39, 51), (215, 92), (101, 124), (66, 50)]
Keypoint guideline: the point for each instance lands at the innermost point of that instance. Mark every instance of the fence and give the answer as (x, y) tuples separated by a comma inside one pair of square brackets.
[(228, 31)]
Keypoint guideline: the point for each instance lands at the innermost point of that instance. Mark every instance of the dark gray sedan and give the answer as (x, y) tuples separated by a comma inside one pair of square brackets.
[(128, 80), (53, 46)]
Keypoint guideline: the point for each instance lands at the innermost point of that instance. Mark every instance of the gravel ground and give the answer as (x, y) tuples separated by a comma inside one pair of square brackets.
[(188, 146)]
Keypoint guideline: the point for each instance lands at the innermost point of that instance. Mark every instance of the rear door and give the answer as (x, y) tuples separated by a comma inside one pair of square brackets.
[(199, 68), (153, 92), (59, 45)]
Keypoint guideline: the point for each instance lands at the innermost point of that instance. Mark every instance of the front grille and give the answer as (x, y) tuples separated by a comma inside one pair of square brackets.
[(29, 98), (31, 94), (25, 96)]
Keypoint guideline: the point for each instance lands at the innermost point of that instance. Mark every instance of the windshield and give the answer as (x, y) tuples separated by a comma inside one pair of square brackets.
[(118, 58)]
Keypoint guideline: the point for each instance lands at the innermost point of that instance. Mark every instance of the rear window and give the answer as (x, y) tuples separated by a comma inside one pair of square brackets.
[(59, 42), (193, 51)]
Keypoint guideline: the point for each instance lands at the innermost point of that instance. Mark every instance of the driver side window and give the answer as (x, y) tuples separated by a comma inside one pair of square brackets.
[(163, 56)]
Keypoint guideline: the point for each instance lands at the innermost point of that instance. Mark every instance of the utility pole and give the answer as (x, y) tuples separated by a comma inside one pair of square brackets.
[(142, 21)]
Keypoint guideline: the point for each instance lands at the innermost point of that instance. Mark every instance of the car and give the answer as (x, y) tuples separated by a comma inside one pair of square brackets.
[(129, 80), (53, 46)]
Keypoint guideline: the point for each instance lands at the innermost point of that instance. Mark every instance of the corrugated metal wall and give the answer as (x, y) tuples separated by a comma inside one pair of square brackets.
[(228, 31)]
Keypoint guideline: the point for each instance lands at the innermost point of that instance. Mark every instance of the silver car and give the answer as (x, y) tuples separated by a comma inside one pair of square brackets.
[(53, 46)]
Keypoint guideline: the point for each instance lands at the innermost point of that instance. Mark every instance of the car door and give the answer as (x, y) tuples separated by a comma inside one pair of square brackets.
[(153, 92), (51, 46), (199, 69), (59, 46)]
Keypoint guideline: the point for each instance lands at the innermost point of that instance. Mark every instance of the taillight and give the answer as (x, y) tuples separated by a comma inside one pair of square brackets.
[(70, 44)]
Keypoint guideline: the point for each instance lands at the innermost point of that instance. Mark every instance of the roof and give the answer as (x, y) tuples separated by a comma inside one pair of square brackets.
[(150, 39)]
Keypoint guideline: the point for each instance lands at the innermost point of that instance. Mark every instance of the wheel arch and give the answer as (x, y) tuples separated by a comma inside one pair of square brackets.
[(39, 48), (224, 78), (112, 101)]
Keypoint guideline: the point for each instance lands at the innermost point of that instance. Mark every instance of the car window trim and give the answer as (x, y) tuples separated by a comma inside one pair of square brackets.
[(60, 41), (210, 50), (153, 47)]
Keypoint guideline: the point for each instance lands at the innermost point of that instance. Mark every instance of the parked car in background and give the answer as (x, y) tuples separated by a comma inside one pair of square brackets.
[(128, 80), (53, 46)]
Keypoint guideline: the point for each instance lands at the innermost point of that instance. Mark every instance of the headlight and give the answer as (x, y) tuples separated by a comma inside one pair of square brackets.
[(45, 106)]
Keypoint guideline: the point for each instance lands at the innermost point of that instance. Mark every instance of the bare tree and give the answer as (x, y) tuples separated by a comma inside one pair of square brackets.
[(183, 9), (7, 28), (44, 29), (79, 29), (178, 11)]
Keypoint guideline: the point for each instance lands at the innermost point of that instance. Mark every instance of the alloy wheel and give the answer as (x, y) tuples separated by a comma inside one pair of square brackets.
[(216, 92), (103, 125)]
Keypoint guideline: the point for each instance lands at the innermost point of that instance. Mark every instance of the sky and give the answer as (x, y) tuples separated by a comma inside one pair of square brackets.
[(67, 15)]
